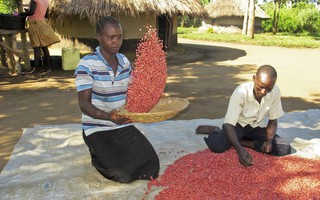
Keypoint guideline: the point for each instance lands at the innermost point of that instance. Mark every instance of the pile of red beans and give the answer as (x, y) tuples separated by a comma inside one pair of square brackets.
[(207, 175)]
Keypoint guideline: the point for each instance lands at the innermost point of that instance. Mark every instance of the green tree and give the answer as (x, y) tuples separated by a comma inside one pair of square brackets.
[(308, 18), (188, 21), (301, 18), (7, 6), (276, 15)]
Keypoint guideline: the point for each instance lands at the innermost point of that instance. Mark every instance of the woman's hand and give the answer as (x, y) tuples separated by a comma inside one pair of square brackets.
[(118, 119)]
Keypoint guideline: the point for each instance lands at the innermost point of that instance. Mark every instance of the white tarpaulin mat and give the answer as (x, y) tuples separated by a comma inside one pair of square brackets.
[(52, 162)]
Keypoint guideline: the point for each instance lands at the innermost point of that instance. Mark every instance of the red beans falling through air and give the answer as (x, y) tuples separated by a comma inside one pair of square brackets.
[(149, 74)]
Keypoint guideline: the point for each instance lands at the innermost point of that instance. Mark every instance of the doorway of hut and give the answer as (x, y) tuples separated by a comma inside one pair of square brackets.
[(164, 30)]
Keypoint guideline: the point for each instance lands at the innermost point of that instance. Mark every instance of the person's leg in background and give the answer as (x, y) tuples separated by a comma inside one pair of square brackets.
[(37, 59), (46, 58)]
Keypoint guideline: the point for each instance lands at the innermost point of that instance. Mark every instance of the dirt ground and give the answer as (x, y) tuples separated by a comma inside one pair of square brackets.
[(205, 74)]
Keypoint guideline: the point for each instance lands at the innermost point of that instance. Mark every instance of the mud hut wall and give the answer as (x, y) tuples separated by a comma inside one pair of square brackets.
[(134, 29), (74, 28), (227, 21), (233, 21)]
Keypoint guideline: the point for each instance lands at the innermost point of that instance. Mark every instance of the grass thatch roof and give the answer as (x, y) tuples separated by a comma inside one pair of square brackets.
[(93, 9), (221, 8)]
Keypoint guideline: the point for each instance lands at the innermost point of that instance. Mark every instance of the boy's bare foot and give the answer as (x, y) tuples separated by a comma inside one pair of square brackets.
[(206, 129)]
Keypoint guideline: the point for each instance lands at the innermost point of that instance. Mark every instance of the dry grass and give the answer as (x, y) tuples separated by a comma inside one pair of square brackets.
[(93, 9)]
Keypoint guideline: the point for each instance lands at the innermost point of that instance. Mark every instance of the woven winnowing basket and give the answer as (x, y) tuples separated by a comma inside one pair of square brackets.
[(165, 109)]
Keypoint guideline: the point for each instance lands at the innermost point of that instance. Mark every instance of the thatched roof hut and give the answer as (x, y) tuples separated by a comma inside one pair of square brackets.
[(93, 9), (77, 18), (235, 8), (227, 13)]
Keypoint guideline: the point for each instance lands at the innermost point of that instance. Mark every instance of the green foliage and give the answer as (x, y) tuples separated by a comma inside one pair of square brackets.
[(210, 30), (309, 21), (267, 25), (187, 21), (288, 21), (204, 2), (301, 18), (7, 6), (267, 39), (184, 30), (303, 5)]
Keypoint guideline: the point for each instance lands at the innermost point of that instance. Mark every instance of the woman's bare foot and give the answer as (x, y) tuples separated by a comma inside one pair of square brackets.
[(206, 129)]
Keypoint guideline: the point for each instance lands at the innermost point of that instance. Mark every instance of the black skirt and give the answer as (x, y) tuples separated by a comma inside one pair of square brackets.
[(123, 154)]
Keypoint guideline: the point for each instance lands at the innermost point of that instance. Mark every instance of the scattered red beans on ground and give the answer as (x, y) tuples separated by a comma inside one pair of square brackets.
[(149, 74), (207, 175)]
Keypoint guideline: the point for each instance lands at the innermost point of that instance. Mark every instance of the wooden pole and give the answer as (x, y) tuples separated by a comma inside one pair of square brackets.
[(251, 19), (10, 57), (245, 19), (3, 53), (109, 6), (8, 45), (24, 41)]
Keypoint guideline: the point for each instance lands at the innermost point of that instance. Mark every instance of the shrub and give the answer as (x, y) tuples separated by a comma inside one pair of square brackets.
[(187, 21), (210, 30), (288, 21), (301, 18), (7, 6), (309, 20)]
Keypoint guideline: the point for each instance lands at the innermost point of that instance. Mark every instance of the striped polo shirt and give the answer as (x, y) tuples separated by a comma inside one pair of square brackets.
[(109, 90)]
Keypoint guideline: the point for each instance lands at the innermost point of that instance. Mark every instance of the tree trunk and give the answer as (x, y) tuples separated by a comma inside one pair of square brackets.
[(278, 14), (182, 22), (251, 19), (245, 19), (274, 20), (109, 8)]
